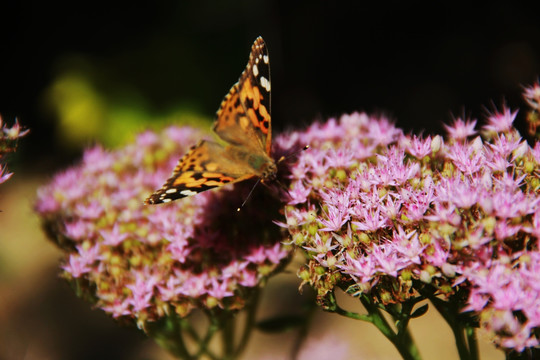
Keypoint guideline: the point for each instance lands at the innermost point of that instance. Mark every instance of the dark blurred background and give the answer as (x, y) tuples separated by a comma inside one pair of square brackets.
[(77, 73), (74, 71)]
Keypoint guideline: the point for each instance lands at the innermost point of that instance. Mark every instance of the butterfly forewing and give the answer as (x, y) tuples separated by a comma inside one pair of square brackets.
[(247, 105), (243, 120)]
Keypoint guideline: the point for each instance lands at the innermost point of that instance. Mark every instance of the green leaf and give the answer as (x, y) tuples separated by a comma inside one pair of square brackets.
[(420, 311), (281, 323)]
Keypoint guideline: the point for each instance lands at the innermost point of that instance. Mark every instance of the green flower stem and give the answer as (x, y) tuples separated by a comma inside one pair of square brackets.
[(227, 332), (213, 327), (402, 315), (303, 330), (185, 326), (403, 341), (472, 341), (333, 306), (226, 321), (467, 345), (250, 322), (168, 334), (403, 336)]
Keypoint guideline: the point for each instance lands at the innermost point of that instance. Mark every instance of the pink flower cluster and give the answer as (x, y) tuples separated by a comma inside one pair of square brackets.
[(8, 138), (142, 261), (531, 94), (380, 213)]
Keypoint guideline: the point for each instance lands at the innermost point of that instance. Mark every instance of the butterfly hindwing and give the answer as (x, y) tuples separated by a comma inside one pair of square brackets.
[(207, 165)]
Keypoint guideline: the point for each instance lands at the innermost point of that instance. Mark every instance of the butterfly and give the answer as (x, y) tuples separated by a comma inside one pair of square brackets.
[(243, 121)]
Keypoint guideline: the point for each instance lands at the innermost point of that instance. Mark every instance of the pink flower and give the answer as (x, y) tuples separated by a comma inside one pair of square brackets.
[(117, 308), (362, 268), (372, 221), (14, 132), (8, 144), (113, 237), (336, 218), (420, 148), (408, 245), (299, 193), (388, 261), (275, 254), (532, 95), (195, 286), (219, 290), (466, 158), (461, 129), (77, 266), (76, 230), (248, 278), (500, 122), (4, 176), (142, 291), (383, 131)]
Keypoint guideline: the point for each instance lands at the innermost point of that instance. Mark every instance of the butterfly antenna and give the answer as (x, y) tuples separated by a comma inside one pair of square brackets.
[(294, 153), (283, 187), (283, 158), (249, 195)]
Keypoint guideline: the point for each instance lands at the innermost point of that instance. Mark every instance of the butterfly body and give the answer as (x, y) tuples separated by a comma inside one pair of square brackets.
[(243, 121)]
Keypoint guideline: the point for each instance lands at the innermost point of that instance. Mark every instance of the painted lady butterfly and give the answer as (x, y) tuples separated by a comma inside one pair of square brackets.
[(243, 121)]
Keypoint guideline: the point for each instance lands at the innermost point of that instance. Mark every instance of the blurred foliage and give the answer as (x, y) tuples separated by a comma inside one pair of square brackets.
[(87, 113)]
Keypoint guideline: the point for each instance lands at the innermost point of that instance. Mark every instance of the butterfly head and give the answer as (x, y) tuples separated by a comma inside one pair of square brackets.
[(269, 171)]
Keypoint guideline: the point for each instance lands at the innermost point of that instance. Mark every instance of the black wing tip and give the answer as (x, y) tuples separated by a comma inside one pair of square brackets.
[(151, 200), (163, 197), (259, 46), (170, 194)]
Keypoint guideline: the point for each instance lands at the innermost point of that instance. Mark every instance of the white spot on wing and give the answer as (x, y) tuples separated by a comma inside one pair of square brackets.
[(188, 192), (265, 83), (166, 200), (265, 59), (171, 191), (255, 70)]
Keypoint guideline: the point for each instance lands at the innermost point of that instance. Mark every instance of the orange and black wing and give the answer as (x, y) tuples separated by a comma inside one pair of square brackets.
[(207, 165), (243, 118)]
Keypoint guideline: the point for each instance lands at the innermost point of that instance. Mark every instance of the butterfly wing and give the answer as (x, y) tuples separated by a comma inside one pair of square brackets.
[(207, 165), (243, 119)]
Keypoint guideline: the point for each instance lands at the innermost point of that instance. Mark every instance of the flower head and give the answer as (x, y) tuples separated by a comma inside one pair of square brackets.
[(500, 121), (142, 261), (531, 94), (398, 214), (461, 129), (8, 144)]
